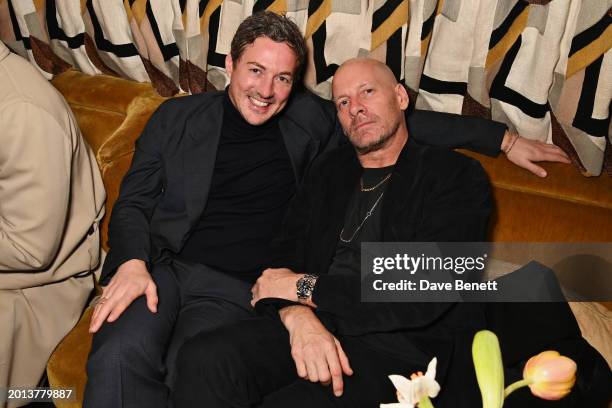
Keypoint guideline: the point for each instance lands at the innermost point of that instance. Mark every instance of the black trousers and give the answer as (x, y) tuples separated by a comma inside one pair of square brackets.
[(131, 362), (249, 364)]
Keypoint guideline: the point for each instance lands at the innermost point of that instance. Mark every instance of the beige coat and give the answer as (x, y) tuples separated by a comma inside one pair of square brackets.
[(51, 200)]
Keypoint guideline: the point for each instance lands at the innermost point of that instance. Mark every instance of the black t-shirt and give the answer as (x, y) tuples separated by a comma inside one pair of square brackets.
[(348, 251), (347, 259), (252, 184)]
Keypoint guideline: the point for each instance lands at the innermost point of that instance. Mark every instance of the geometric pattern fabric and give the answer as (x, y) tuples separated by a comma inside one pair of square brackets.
[(542, 67)]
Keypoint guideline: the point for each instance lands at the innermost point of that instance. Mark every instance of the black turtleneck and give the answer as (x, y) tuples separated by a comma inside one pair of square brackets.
[(252, 184)]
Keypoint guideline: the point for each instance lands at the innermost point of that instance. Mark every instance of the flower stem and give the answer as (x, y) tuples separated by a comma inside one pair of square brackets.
[(425, 402), (515, 386)]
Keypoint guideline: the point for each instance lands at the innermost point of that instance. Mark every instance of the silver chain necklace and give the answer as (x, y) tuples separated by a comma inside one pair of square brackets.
[(368, 214)]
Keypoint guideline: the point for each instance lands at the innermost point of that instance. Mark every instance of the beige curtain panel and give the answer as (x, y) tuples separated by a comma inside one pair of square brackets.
[(542, 67)]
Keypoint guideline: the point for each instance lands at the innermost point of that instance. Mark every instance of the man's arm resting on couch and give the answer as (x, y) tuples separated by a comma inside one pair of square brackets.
[(481, 135)]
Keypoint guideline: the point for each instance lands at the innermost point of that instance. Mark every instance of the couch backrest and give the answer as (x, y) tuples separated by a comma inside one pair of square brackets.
[(111, 113), (564, 207)]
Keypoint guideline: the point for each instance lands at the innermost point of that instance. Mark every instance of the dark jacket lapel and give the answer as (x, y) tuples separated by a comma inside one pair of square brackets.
[(203, 132), (339, 192), (296, 131), (300, 146), (401, 189)]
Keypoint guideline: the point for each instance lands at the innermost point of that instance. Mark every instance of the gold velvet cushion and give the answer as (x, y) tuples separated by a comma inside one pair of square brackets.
[(563, 207), (66, 367), (111, 112)]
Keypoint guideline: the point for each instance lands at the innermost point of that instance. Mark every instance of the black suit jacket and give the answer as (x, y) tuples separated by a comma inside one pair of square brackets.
[(165, 190), (433, 195)]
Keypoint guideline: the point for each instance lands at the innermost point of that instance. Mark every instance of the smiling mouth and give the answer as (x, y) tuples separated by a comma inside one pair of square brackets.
[(259, 103)]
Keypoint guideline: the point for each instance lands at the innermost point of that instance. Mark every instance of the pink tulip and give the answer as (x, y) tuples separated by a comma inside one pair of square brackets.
[(550, 375)]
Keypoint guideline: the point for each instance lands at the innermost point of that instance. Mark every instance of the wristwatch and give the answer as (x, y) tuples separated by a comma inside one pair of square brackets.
[(305, 286)]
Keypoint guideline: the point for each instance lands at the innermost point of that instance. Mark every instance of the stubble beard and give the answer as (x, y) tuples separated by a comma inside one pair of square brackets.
[(378, 144)]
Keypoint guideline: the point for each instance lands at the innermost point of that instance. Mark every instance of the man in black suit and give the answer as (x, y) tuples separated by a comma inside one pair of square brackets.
[(209, 184), (315, 331)]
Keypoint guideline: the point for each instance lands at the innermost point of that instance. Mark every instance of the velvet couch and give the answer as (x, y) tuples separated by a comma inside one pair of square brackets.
[(563, 207)]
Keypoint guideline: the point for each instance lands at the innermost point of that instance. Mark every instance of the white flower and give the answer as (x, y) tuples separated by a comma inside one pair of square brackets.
[(410, 392)]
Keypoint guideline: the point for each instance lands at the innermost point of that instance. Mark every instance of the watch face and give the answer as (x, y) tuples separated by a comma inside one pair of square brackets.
[(304, 287)]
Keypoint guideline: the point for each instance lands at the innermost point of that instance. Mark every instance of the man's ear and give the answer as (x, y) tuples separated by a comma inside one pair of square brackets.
[(402, 96), (229, 64)]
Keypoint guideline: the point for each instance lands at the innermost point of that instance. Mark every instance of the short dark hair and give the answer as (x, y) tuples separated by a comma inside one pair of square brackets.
[(275, 27)]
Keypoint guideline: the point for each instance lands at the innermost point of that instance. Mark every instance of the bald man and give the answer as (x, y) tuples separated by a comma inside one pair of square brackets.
[(316, 344)]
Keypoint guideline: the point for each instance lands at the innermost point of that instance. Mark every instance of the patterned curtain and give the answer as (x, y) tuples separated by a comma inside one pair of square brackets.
[(542, 67)]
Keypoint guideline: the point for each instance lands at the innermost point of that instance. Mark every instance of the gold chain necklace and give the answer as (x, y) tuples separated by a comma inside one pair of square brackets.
[(368, 214), (377, 184)]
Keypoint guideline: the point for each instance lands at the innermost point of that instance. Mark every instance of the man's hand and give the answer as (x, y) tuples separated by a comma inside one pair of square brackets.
[(317, 354), (276, 283), (525, 152), (131, 281)]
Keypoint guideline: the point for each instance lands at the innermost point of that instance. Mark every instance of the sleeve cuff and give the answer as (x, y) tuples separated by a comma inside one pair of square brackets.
[(330, 293)]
